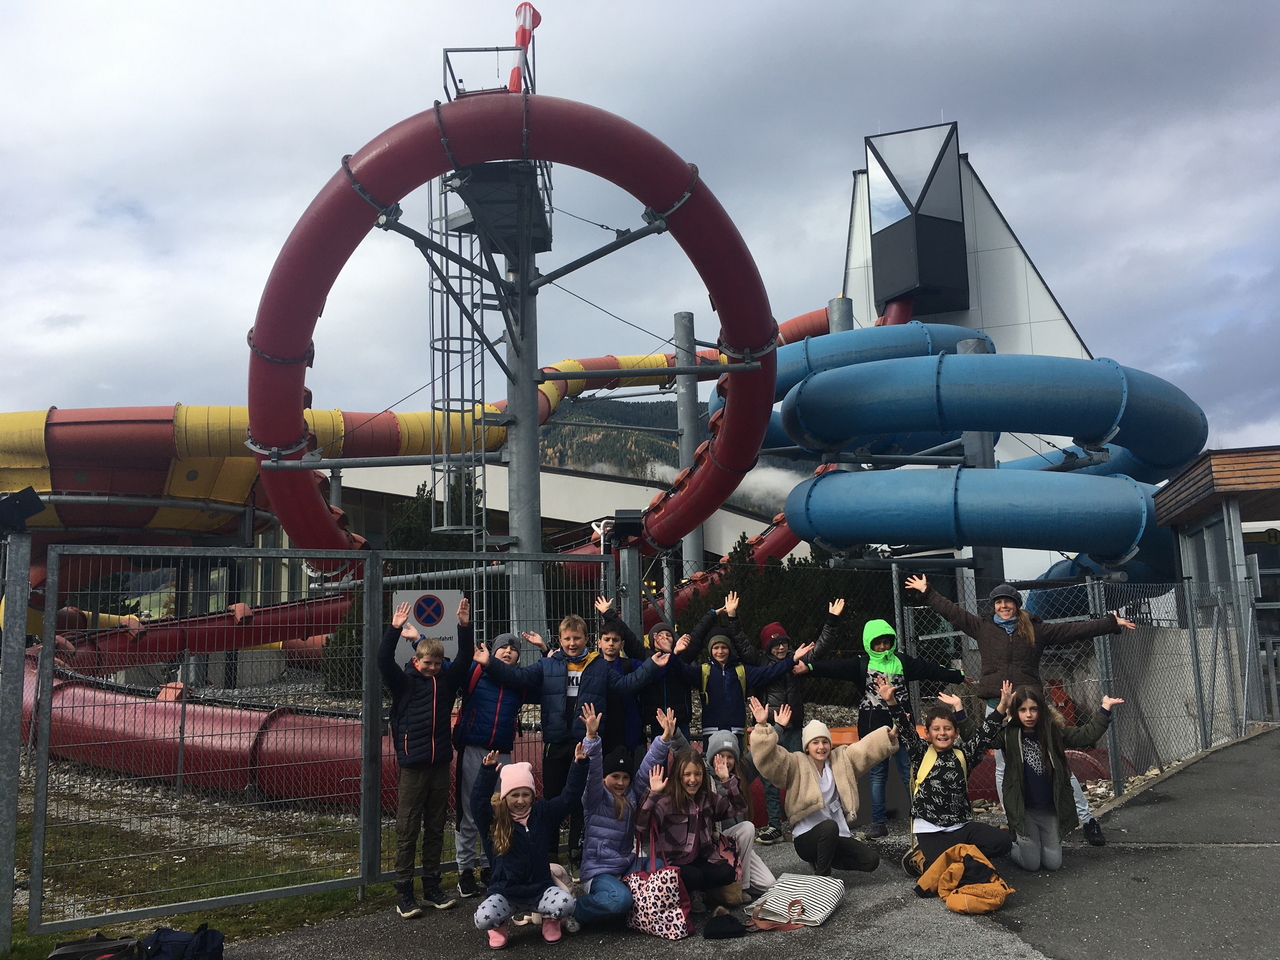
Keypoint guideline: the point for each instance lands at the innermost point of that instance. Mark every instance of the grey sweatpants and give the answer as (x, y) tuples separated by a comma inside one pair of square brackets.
[(465, 837), (1041, 848)]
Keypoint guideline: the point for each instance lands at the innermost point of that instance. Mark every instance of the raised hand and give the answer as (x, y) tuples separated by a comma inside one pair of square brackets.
[(758, 710), (660, 657), (782, 715), (886, 691), (918, 582), (579, 752), (602, 605), (803, 651), (731, 603), (658, 779), (836, 607), (401, 616), (951, 700), (682, 644), (667, 720), (721, 766), (490, 759), (535, 639), (591, 720), (464, 612), (1109, 702), (1006, 698), (481, 655), (1127, 624)]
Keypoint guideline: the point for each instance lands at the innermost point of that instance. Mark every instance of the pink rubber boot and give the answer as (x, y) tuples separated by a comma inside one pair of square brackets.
[(498, 937), (551, 930)]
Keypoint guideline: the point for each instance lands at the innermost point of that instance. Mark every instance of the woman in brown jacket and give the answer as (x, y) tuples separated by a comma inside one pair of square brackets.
[(1011, 643)]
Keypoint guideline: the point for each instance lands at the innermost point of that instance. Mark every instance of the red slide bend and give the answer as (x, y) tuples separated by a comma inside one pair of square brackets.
[(508, 126)]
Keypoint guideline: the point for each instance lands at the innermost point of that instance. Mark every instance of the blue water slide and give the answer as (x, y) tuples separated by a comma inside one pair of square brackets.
[(796, 361)]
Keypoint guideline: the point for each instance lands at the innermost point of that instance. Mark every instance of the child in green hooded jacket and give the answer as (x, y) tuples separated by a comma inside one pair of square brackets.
[(881, 660)]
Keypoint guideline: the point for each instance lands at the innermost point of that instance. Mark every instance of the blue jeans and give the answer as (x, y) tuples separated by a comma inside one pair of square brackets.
[(609, 899), (790, 741), (880, 774)]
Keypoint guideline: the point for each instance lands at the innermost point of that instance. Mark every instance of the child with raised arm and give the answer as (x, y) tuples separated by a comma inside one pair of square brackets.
[(787, 689), (422, 695), (757, 878), (1011, 643), (518, 830), (821, 784), (624, 652), (685, 809), (881, 661), (1037, 780), (609, 806), (563, 682), (940, 808)]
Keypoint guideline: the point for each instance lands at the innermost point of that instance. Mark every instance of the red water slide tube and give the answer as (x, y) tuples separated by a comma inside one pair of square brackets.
[(507, 126)]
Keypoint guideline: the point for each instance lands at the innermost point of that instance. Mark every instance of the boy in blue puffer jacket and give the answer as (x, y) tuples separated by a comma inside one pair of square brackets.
[(422, 696), (489, 719), (563, 682)]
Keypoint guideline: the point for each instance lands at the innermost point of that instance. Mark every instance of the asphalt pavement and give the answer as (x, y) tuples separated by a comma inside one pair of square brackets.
[(1191, 869)]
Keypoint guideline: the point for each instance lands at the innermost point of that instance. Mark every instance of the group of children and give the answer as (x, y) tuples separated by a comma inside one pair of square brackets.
[(694, 806)]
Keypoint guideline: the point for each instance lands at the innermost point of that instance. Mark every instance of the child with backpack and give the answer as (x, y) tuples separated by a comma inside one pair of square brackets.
[(518, 830), (684, 808), (488, 721), (609, 808), (422, 696), (624, 652), (1038, 797), (785, 689), (822, 787), (940, 808), (563, 682), (671, 688), (864, 671)]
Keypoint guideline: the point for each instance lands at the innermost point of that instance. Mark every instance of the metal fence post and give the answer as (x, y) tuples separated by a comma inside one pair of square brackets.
[(630, 588), (371, 727), (17, 590), (1102, 654), (896, 587), (1197, 676)]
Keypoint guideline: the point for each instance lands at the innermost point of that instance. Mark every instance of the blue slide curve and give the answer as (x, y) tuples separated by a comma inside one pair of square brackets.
[(903, 389)]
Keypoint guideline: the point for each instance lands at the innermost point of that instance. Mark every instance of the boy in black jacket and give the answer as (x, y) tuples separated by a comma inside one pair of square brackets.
[(881, 661), (422, 696)]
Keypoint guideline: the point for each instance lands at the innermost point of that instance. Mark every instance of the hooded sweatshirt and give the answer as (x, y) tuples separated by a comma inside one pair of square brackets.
[(865, 669)]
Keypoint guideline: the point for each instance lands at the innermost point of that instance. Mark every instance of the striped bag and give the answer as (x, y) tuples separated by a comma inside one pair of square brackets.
[(799, 900)]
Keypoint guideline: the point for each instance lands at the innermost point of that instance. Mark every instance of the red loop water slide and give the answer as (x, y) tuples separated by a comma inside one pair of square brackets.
[(508, 126)]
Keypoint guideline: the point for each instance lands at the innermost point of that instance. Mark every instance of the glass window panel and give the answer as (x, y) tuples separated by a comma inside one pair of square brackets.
[(943, 197), (1269, 623), (886, 204), (909, 156)]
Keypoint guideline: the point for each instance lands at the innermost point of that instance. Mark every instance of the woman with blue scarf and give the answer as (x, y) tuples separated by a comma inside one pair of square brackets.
[(1011, 642)]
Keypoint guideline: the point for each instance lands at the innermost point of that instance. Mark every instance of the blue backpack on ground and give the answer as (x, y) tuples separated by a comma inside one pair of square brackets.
[(166, 944)]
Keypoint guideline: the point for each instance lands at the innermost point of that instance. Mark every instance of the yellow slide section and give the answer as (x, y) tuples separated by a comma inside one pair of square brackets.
[(422, 434)]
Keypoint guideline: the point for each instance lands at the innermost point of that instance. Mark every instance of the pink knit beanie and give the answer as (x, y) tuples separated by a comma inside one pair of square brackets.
[(514, 775)]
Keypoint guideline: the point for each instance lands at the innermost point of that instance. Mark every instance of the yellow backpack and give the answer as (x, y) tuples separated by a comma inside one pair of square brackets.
[(739, 669), (926, 765)]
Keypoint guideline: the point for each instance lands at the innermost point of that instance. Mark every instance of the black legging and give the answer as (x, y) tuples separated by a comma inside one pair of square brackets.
[(557, 759), (822, 848), (702, 874)]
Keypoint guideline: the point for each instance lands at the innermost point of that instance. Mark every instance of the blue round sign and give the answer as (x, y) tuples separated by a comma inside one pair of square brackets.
[(429, 610)]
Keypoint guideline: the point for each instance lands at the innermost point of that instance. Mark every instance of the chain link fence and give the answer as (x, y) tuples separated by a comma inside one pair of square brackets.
[(209, 728)]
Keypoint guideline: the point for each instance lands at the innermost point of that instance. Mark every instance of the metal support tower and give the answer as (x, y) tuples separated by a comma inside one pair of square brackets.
[(689, 420), (980, 453)]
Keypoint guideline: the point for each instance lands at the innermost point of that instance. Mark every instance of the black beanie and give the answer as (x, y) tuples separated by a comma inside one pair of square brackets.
[(618, 761), (1006, 592)]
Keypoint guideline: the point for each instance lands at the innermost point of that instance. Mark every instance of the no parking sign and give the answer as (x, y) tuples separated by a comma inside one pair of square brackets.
[(435, 614)]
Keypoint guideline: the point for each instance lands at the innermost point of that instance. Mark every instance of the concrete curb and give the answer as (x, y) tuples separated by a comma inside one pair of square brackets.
[(1259, 728)]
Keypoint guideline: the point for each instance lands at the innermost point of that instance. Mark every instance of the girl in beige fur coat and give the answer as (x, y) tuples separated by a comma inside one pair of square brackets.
[(822, 787)]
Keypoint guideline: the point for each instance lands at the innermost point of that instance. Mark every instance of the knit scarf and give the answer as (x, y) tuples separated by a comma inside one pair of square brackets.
[(1009, 625)]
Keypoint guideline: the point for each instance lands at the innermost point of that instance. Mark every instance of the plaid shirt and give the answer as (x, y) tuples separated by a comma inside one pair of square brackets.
[(687, 833)]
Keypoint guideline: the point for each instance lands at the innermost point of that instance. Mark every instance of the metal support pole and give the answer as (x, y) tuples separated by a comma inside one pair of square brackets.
[(629, 589), (371, 727), (980, 453), (689, 420), (669, 590), (335, 487), (1102, 653), (839, 315), (524, 479), (17, 591), (895, 575), (1197, 675)]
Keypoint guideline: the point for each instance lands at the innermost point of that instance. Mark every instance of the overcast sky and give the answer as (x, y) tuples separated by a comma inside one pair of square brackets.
[(156, 155)]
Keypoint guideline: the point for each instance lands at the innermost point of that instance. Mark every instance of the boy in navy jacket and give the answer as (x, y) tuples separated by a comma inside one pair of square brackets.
[(489, 719), (422, 696), (563, 682), (624, 652)]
